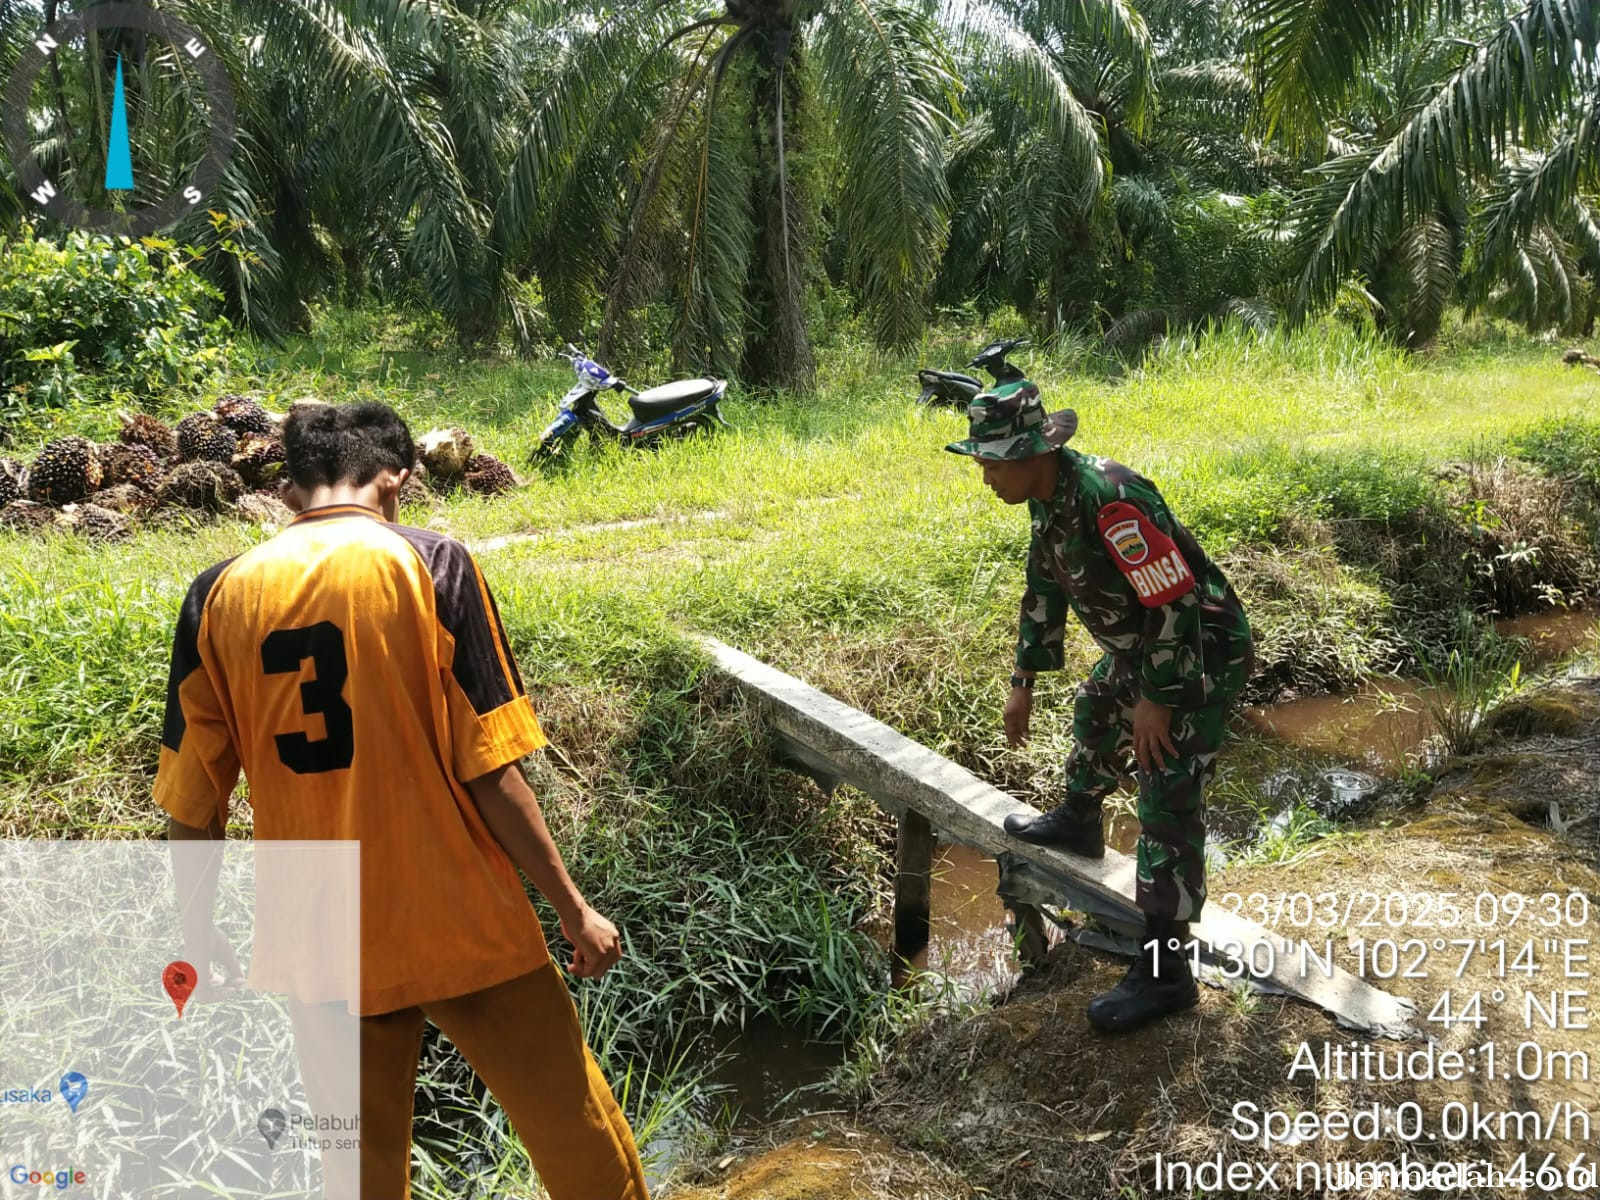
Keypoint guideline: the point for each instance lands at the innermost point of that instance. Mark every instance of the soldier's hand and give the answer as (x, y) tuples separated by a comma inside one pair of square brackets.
[(1152, 734), (1018, 714)]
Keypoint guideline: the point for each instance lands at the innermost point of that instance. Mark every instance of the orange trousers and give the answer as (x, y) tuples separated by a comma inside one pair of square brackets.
[(523, 1040)]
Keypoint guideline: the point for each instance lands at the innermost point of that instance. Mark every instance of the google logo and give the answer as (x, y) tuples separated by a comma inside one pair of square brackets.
[(60, 1180)]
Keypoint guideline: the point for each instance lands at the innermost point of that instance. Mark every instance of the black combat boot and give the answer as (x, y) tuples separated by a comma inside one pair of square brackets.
[(1155, 986), (1066, 827)]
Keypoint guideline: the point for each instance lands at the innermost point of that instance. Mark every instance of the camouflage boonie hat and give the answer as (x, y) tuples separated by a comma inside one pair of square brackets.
[(1010, 423)]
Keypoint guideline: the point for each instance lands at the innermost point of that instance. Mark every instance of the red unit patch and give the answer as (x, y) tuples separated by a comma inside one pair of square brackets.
[(1149, 558)]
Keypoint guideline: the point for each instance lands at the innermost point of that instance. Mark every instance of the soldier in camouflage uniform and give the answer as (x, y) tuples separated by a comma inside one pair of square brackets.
[(1177, 653)]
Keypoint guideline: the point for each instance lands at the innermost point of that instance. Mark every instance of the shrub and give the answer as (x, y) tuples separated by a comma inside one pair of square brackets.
[(1467, 679), (96, 316), (1568, 447)]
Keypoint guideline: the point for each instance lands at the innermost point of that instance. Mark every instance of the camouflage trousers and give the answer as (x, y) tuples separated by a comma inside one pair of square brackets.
[(1171, 879)]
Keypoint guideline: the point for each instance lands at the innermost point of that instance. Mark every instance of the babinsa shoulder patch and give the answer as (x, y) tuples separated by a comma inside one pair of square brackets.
[(1149, 558)]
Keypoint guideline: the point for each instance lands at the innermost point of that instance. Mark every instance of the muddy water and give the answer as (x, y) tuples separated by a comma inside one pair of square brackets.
[(969, 946), (1386, 724), (1380, 726), (768, 1072), (1553, 636)]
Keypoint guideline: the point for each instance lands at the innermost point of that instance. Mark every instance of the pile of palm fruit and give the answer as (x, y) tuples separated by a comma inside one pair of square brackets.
[(223, 461)]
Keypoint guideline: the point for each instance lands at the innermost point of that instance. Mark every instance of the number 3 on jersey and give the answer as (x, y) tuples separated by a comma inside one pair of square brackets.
[(283, 653)]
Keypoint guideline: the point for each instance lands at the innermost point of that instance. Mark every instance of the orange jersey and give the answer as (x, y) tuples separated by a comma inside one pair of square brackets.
[(358, 672)]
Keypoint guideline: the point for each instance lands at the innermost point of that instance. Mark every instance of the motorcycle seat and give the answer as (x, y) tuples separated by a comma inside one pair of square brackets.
[(670, 397), (952, 377)]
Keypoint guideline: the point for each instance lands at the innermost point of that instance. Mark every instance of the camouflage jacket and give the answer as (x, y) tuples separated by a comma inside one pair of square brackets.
[(1106, 547)]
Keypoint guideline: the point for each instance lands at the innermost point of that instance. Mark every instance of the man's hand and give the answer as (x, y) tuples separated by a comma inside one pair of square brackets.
[(596, 944), (1018, 714), (1152, 733), (512, 814), (211, 954), (206, 948)]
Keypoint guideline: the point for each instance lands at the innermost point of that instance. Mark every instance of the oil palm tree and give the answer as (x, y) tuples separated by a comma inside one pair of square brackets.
[(1030, 186), (1514, 102), (697, 154), (1188, 228)]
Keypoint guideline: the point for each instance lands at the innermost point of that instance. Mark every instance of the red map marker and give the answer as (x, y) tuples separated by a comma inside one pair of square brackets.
[(179, 980)]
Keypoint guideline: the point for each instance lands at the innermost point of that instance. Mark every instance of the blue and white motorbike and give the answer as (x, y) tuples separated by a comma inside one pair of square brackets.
[(671, 410)]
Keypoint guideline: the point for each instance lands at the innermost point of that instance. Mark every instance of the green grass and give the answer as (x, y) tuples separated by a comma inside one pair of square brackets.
[(1467, 680), (835, 538)]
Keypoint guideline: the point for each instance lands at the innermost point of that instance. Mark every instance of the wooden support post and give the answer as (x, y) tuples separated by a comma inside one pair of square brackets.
[(913, 888), (1033, 945), (1026, 920)]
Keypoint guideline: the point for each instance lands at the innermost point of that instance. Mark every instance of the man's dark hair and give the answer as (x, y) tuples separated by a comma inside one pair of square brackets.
[(328, 444)]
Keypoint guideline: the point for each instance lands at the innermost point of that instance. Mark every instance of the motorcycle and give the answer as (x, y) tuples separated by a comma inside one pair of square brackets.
[(671, 410), (957, 390)]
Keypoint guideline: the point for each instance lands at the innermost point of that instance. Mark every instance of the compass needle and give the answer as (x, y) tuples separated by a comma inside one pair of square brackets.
[(119, 156)]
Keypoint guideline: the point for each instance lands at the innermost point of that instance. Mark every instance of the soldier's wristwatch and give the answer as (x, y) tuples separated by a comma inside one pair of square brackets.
[(1022, 681)]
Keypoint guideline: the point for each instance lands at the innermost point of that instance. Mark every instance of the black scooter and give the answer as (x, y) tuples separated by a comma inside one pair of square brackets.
[(955, 390)]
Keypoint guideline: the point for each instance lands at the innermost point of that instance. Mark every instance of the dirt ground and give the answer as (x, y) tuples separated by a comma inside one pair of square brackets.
[(1024, 1101)]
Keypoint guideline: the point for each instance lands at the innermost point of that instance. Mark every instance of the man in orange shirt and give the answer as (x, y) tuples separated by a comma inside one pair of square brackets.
[(358, 673)]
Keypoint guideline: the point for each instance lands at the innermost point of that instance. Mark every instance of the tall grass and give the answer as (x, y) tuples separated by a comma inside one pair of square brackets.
[(1467, 678)]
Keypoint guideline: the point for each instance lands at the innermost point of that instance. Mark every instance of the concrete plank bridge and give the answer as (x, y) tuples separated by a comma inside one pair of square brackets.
[(926, 792)]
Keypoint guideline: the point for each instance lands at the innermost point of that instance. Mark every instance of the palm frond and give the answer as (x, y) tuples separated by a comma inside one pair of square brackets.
[(890, 87), (585, 107), (1117, 29), (1534, 187), (1216, 81), (1585, 227), (651, 207), (1007, 62), (1140, 206), (1515, 85), (1307, 52), (1431, 255), (1138, 329), (1258, 313), (714, 308)]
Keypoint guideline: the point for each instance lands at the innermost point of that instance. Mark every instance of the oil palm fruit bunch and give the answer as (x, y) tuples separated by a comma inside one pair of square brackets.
[(244, 415), (126, 497), (488, 476), (67, 470), (203, 437), (24, 515), (445, 452), (94, 522), (415, 491), (136, 464), (13, 481), (260, 508), (204, 486), (141, 429), (259, 459)]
